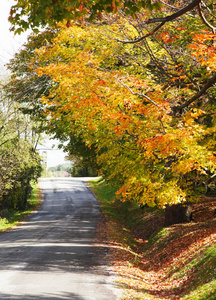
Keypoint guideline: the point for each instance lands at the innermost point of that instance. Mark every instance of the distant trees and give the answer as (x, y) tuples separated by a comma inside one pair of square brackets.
[(78, 168), (61, 170)]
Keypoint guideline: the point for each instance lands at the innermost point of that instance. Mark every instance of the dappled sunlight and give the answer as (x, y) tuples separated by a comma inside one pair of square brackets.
[(54, 250), (45, 296)]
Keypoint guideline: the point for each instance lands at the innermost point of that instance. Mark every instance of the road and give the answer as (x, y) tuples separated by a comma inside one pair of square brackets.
[(52, 254)]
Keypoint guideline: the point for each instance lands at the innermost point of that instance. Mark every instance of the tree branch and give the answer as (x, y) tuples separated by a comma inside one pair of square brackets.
[(164, 20), (213, 29), (138, 94), (208, 84)]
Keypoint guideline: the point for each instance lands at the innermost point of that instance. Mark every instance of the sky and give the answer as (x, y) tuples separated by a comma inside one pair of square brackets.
[(9, 45)]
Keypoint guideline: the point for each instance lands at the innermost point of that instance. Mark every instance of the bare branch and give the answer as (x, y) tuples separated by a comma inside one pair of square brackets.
[(213, 29), (142, 37), (208, 84), (138, 94), (174, 16), (209, 11)]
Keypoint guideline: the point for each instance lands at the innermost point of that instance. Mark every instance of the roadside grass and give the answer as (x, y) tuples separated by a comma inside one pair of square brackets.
[(157, 262), (12, 218)]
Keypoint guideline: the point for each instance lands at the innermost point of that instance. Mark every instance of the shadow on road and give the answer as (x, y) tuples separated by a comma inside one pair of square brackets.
[(56, 247), (68, 296), (52, 255)]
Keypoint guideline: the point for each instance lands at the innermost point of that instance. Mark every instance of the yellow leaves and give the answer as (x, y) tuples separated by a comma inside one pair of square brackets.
[(184, 166), (190, 118), (44, 99), (171, 194), (195, 113), (126, 117), (40, 71), (147, 191)]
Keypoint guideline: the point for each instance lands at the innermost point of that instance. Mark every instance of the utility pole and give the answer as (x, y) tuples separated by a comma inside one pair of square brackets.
[(44, 155)]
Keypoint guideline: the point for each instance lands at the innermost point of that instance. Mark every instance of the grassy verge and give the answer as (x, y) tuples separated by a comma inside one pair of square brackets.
[(12, 218), (153, 262)]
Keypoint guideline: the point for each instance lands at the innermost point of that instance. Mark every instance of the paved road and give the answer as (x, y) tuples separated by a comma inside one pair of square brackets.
[(51, 255)]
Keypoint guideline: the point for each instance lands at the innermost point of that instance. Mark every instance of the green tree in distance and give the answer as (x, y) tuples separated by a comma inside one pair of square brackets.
[(19, 161)]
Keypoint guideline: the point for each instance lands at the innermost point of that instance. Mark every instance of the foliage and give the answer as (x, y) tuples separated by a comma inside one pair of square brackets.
[(142, 110), (131, 216), (62, 167), (11, 218), (159, 154), (62, 170), (24, 84), (19, 162), (26, 88), (82, 169), (19, 166), (32, 14)]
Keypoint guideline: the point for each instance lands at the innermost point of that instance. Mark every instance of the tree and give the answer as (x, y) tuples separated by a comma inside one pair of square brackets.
[(24, 84), (19, 161), (20, 164), (159, 154), (27, 88), (146, 106)]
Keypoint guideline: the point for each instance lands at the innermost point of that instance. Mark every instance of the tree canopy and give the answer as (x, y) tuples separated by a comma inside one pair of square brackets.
[(138, 99), (32, 14)]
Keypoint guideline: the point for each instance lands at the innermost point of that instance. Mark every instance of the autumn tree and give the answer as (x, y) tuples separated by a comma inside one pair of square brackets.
[(32, 14), (27, 88), (142, 96), (23, 83)]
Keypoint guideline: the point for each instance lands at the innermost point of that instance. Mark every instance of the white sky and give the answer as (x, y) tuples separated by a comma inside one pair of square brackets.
[(54, 156), (9, 45)]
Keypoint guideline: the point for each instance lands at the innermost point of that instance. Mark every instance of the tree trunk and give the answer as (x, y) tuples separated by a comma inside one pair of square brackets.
[(178, 213)]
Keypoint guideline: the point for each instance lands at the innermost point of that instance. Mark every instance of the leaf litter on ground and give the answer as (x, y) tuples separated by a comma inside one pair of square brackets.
[(176, 262)]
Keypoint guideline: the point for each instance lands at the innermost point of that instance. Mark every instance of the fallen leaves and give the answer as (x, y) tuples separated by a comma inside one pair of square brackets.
[(172, 267)]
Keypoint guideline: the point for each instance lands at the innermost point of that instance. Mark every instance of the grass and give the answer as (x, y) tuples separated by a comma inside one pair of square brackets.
[(105, 193), (12, 218), (203, 285), (153, 262)]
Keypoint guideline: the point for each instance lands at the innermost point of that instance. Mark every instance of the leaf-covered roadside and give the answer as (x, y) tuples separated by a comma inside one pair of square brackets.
[(153, 262)]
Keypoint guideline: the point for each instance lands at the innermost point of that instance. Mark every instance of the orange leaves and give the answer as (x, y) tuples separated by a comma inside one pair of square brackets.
[(175, 264), (82, 6), (101, 82), (167, 37), (204, 49)]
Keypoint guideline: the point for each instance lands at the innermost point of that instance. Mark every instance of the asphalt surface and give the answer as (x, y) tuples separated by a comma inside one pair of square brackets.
[(52, 254)]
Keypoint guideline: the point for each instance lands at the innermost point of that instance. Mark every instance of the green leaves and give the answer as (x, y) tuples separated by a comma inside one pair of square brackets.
[(33, 14), (19, 162)]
